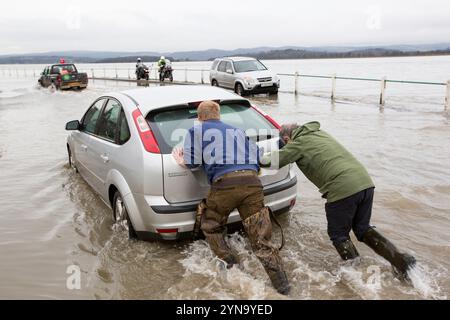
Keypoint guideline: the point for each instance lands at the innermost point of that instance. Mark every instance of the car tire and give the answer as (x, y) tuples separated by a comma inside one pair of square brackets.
[(273, 93), (239, 89), (121, 217), (71, 162), (214, 83)]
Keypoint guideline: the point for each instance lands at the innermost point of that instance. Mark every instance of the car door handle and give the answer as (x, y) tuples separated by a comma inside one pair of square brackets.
[(84, 147), (105, 158)]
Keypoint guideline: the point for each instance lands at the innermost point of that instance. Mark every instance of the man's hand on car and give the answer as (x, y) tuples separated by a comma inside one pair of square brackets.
[(178, 155)]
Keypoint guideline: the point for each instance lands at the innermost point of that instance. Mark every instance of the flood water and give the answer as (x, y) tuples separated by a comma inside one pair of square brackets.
[(50, 218)]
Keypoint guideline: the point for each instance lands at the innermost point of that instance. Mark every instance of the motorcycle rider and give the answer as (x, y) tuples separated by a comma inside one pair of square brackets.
[(139, 63), (140, 66), (162, 63)]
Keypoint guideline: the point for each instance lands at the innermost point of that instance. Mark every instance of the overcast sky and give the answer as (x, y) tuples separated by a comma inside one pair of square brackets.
[(180, 25)]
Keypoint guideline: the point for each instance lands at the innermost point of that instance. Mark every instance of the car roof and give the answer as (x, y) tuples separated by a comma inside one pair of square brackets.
[(238, 58), (152, 98)]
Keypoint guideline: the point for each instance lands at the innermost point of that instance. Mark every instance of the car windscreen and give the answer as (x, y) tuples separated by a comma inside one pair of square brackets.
[(64, 69), (248, 66), (172, 124)]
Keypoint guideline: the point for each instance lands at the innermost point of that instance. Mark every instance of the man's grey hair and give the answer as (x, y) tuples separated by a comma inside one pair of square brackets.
[(288, 129)]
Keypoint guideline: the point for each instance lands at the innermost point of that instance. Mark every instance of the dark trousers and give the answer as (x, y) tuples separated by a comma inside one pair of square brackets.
[(350, 213)]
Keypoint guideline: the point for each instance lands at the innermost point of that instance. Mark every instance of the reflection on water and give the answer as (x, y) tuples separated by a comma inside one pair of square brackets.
[(50, 219)]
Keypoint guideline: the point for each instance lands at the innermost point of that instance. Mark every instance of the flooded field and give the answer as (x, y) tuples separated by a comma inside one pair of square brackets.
[(50, 218)]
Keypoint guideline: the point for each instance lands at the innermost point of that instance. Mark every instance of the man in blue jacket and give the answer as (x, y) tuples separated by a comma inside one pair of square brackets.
[(230, 160)]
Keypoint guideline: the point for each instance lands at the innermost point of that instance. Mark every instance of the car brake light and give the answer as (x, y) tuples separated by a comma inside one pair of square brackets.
[(195, 104), (145, 133), (292, 204), (269, 118), (167, 230)]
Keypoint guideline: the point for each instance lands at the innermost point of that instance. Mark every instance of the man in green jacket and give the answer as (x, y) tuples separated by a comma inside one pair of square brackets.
[(346, 185)]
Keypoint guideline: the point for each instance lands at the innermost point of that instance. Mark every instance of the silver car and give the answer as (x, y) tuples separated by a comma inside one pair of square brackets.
[(122, 148), (244, 76)]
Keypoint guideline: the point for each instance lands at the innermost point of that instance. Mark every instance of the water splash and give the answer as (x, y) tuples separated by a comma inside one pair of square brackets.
[(423, 280), (247, 280)]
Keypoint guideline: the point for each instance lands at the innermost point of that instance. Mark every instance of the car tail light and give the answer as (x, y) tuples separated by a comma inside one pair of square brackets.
[(145, 133), (269, 118), (167, 230), (292, 204)]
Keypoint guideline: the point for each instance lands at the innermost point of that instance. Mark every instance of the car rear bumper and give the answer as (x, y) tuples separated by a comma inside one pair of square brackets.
[(187, 235), (160, 221), (70, 85)]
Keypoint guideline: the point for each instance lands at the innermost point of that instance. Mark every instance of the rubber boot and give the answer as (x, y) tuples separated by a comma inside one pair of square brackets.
[(259, 230), (220, 247), (402, 262), (346, 250)]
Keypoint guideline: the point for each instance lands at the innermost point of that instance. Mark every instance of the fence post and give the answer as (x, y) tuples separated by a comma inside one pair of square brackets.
[(104, 73), (92, 73), (156, 73), (185, 75), (447, 98), (117, 76), (333, 87), (296, 83), (129, 76), (203, 81), (383, 91)]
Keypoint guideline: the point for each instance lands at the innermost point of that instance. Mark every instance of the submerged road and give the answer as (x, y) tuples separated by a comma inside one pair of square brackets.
[(50, 219)]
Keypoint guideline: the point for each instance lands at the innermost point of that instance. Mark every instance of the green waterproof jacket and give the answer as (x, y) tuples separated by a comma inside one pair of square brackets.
[(325, 162)]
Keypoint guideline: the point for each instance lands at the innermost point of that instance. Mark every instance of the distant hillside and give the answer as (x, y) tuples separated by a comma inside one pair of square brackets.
[(366, 53), (43, 59), (132, 59), (287, 52)]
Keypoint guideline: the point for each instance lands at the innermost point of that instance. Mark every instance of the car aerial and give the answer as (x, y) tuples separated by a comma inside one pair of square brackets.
[(243, 75), (63, 76), (122, 148)]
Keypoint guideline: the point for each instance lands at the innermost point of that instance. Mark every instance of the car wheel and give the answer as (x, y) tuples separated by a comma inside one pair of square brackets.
[(239, 89), (214, 83), (71, 162), (121, 218), (273, 93)]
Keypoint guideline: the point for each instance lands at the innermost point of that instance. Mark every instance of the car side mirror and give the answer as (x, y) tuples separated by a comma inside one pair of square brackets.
[(229, 71), (73, 125)]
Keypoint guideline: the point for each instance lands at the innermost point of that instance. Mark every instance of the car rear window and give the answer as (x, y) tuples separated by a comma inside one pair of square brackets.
[(214, 65), (171, 125)]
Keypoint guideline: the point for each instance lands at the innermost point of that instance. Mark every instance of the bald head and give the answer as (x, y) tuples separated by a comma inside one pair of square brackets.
[(208, 110), (287, 130)]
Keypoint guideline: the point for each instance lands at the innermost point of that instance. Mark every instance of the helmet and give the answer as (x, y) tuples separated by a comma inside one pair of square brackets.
[(139, 60), (163, 58)]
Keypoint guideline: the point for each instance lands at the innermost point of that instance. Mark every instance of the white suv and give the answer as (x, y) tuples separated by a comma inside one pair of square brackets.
[(244, 75)]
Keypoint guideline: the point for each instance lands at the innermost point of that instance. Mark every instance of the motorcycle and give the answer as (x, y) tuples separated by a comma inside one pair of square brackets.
[(166, 72), (142, 72)]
